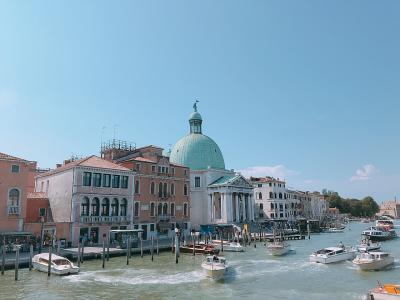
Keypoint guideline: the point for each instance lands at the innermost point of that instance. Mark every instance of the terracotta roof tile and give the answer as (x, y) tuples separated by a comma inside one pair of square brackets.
[(4, 156)]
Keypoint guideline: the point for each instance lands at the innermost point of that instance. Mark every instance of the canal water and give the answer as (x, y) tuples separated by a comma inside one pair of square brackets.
[(253, 274)]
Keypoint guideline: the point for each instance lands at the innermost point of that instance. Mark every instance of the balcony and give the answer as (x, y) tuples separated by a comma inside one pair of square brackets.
[(163, 217), (13, 210), (104, 219)]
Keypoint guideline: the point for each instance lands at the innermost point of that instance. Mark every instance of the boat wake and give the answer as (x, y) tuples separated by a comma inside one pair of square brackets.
[(136, 277)]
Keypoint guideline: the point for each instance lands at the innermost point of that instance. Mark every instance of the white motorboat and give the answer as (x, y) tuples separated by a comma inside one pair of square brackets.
[(278, 247), (385, 292), (215, 266), (379, 233), (332, 255), (59, 265), (228, 246), (366, 246), (370, 261), (335, 230)]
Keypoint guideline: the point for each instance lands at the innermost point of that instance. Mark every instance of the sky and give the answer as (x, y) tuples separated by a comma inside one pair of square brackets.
[(307, 91)]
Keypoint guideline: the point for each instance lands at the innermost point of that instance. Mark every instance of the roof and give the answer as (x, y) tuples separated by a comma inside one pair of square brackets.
[(224, 180), (266, 179), (46, 256), (91, 161), (195, 116), (4, 156)]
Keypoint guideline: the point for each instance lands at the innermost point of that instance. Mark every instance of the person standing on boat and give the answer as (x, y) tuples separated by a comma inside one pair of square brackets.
[(341, 245)]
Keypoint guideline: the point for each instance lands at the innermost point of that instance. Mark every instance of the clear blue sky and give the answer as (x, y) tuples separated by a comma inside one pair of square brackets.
[(305, 90)]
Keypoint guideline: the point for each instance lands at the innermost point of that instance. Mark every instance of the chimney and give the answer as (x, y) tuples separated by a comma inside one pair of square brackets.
[(58, 166)]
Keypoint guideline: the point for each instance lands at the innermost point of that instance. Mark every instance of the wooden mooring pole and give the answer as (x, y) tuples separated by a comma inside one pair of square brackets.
[(152, 248), (16, 262), (104, 251), (79, 253), (50, 252), (30, 256), (141, 247), (3, 256)]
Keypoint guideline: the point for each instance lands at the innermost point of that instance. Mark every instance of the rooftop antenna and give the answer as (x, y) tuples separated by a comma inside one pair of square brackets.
[(115, 130)]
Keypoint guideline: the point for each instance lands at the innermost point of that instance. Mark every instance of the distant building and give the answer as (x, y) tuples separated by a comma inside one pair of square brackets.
[(87, 198), (161, 188), (390, 208), (16, 181), (217, 195), (276, 202)]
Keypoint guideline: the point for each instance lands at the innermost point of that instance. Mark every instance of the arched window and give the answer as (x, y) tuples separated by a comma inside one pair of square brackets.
[(152, 209), (185, 190), (152, 187), (165, 209), (271, 195), (275, 195), (259, 195), (165, 190), (280, 195), (105, 207), (261, 206), (185, 209), (85, 206), (13, 197), (114, 207), (272, 206), (137, 187), (160, 189), (136, 209), (95, 206), (124, 204), (172, 189), (159, 209), (172, 209)]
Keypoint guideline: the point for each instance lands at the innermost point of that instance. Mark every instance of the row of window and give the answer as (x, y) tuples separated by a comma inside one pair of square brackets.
[(103, 208), (272, 184), (162, 209), (163, 190), (105, 180)]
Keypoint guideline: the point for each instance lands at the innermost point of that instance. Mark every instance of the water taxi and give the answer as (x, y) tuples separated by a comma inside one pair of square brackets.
[(379, 233), (367, 245), (332, 255), (215, 267), (373, 261), (59, 265), (385, 292)]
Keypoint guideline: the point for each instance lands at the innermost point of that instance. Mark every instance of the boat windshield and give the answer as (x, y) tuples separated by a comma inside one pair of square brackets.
[(61, 262)]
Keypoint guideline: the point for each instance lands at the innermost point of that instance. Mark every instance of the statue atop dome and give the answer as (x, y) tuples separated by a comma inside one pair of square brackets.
[(195, 105)]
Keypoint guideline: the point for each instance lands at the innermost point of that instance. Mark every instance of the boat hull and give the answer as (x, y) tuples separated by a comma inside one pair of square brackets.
[(374, 265), (278, 251), (214, 273), (56, 271), (378, 295), (332, 259)]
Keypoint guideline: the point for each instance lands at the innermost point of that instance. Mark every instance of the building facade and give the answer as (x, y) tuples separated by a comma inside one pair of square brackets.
[(161, 189), (16, 181), (218, 195), (276, 202), (87, 198), (390, 208)]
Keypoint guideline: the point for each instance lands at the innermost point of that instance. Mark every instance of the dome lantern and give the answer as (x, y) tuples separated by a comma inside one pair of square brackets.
[(195, 120)]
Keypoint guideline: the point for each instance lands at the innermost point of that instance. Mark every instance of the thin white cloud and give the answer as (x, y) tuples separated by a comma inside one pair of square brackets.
[(365, 173), (278, 171)]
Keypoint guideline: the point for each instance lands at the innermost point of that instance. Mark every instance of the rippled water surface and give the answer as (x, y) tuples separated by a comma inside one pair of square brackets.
[(253, 274)]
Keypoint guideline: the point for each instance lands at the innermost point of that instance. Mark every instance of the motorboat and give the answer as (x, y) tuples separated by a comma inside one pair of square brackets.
[(199, 249), (230, 247), (215, 267), (374, 260), (59, 265), (333, 254), (379, 233), (278, 247), (366, 246), (385, 292)]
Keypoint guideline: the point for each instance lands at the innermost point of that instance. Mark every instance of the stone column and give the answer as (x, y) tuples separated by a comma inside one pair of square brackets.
[(244, 207), (237, 207), (228, 202)]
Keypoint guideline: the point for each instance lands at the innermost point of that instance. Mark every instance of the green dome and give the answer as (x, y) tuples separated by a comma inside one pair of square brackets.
[(198, 152), (195, 116)]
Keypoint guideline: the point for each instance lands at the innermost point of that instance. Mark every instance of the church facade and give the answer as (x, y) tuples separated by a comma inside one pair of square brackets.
[(218, 195)]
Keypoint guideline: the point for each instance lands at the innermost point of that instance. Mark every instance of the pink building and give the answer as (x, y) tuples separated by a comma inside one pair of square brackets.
[(16, 181)]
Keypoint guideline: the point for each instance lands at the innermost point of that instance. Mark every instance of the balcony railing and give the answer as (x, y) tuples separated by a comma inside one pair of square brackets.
[(13, 210), (163, 217), (104, 219)]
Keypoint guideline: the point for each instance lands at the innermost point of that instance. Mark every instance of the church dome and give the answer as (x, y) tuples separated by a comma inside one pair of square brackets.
[(196, 150)]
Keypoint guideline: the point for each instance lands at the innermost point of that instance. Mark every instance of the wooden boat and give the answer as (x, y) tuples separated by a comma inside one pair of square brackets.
[(215, 267), (199, 249), (59, 265), (385, 292)]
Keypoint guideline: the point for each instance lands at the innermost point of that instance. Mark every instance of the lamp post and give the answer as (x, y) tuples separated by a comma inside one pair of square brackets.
[(41, 234)]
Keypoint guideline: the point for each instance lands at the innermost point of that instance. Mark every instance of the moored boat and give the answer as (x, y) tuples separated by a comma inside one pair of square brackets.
[(59, 265), (230, 247), (199, 249), (278, 247), (385, 292), (215, 267), (373, 261), (332, 255)]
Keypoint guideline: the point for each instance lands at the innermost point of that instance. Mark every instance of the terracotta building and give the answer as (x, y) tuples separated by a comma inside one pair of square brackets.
[(16, 181), (161, 188)]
